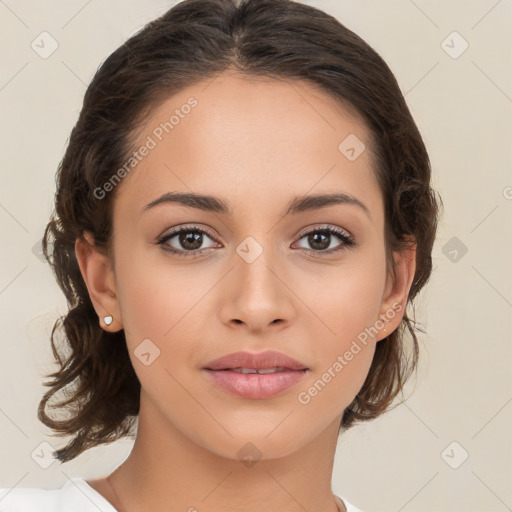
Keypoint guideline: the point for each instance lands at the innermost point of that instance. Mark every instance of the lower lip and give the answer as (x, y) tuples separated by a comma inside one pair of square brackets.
[(254, 385)]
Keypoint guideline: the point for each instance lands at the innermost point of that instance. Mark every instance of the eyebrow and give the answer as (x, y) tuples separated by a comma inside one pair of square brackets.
[(297, 205)]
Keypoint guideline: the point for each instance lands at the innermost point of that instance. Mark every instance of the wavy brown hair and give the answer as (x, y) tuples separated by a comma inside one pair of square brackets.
[(194, 41)]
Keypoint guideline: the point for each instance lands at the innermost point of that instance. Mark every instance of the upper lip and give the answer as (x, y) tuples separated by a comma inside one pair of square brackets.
[(258, 361)]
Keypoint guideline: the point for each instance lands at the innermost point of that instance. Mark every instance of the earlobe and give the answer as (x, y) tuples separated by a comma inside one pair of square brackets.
[(96, 272)]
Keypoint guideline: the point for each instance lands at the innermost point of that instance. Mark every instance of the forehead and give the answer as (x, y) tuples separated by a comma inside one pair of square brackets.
[(250, 139)]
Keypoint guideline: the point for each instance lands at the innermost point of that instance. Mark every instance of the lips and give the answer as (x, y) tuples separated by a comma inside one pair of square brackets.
[(255, 376), (267, 360)]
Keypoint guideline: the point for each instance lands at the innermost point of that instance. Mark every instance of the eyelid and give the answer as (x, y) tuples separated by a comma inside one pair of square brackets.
[(191, 227), (319, 227)]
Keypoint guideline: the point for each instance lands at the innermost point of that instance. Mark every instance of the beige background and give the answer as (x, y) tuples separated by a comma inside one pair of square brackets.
[(402, 461)]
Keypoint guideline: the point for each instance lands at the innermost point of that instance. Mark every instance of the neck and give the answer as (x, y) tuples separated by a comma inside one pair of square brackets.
[(167, 470)]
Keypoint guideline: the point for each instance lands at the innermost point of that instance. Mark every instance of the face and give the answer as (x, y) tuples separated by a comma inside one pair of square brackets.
[(310, 283)]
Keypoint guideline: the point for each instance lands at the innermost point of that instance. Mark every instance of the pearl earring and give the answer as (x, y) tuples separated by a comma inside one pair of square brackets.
[(108, 319)]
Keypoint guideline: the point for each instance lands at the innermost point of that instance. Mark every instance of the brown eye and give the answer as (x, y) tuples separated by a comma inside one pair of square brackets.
[(319, 240), (190, 240), (185, 241)]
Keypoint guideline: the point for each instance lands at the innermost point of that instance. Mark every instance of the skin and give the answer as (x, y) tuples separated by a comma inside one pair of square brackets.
[(256, 143)]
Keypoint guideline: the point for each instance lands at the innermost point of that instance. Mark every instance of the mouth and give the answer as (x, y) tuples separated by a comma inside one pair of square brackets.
[(268, 361), (260, 371), (255, 384), (255, 375)]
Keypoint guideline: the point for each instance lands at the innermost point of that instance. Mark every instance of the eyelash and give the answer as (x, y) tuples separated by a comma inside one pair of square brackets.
[(348, 241)]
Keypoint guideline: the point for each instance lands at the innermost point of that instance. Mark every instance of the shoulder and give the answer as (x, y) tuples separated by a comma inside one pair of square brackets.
[(74, 496), (348, 505), (29, 499)]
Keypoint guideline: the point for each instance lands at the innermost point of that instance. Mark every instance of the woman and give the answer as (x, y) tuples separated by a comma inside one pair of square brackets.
[(243, 213)]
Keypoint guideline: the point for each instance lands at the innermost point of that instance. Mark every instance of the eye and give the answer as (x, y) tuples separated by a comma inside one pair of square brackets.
[(188, 239), (320, 239)]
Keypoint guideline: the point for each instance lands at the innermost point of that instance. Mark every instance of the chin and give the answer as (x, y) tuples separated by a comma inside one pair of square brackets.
[(263, 440)]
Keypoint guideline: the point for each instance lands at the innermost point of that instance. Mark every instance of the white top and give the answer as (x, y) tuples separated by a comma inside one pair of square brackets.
[(76, 495)]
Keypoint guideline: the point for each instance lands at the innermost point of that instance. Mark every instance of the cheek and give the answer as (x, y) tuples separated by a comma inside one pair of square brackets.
[(347, 304), (347, 300), (160, 304), (155, 295), (157, 304), (343, 360)]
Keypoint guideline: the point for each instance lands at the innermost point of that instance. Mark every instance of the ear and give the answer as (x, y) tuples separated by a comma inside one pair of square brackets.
[(98, 275), (397, 289)]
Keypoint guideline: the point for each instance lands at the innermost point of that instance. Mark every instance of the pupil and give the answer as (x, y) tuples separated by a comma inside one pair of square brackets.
[(319, 244), (191, 240)]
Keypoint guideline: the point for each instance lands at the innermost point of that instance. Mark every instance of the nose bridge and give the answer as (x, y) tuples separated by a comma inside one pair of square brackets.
[(256, 266), (257, 295)]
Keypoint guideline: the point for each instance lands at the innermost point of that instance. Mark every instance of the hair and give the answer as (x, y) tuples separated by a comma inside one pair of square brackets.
[(191, 42)]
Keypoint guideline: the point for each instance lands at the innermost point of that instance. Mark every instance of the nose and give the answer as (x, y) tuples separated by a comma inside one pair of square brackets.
[(257, 295)]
